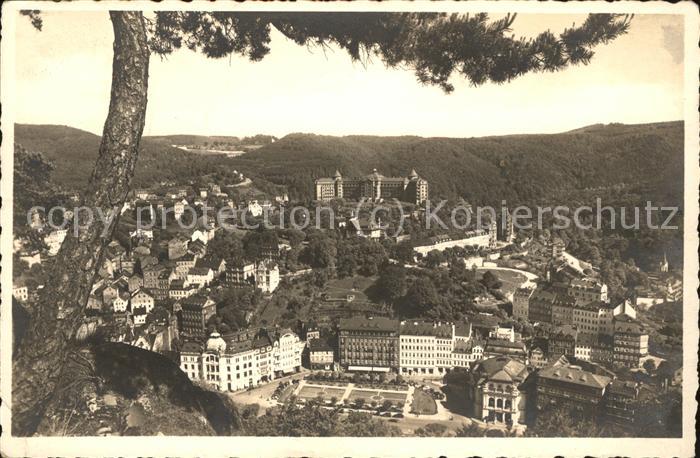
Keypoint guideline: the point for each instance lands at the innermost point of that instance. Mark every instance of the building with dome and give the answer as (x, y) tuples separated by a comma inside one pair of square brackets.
[(374, 186), (231, 362), (242, 359), (497, 391)]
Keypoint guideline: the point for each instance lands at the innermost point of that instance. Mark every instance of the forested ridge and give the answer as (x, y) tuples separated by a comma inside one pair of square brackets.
[(517, 168), (73, 152)]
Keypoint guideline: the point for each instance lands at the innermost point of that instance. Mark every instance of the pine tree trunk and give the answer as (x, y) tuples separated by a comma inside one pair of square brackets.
[(59, 313)]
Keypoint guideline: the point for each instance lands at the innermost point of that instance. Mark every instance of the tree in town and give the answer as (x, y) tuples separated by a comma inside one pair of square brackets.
[(491, 281), (321, 251), (434, 258), (470, 430), (435, 46), (392, 283), (432, 430), (421, 297), (559, 422)]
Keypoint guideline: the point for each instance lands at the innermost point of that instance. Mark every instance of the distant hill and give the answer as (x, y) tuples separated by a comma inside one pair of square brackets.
[(519, 168), (191, 139), (73, 153)]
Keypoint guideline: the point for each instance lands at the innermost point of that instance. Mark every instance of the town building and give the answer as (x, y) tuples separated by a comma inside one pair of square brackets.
[(151, 274), (196, 311), (218, 267), (374, 186), (583, 348), (142, 298), (264, 275), (521, 301), (364, 227), (538, 359), (229, 363), (497, 393), (562, 342), (54, 240), (267, 276), (20, 292), (287, 350), (425, 348), (542, 302), (570, 387), (621, 402), (466, 352), (121, 302), (562, 312), (240, 274), (180, 289), (586, 317), (369, 344), (200, 276), (321, 354), (504, 347), (160, 292), (630, 342), (197, 248), (584, 290)]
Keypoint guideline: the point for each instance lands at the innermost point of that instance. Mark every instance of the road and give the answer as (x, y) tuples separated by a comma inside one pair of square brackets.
[(261, 394)]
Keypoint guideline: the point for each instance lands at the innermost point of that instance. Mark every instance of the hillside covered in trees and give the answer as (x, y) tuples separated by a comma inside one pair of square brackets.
[(73, 152), (518, 168), (647, 158)]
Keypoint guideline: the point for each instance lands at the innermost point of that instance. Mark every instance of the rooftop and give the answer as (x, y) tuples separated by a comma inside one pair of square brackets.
[(426, 328), (503, 369), (369, 324), (574, 375)]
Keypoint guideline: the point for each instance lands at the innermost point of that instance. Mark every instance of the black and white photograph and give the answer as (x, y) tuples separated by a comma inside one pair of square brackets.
[(405, 220)]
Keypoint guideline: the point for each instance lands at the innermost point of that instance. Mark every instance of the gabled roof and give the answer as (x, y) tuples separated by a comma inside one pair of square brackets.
[(199, 271), (209, 263), (574, 375), (504, 368), (425, 328), (319, 345), (142, 291)]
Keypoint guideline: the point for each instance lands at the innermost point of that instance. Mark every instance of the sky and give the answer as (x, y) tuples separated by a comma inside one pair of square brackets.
[(64, 73)]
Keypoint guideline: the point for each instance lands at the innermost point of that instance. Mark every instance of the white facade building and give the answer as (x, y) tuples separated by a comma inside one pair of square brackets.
[(21, 293), (54, 240), (435, 348), (287, 351), (233, 363)]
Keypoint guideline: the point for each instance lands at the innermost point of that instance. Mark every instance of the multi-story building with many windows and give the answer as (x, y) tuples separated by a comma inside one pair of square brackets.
[(567, 386), (425, 348), (496, 394), (374, 186), (369, 344), (196, 311), (230, 363), (521, 302), (584, 290), (287, 351), (630, 341)]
